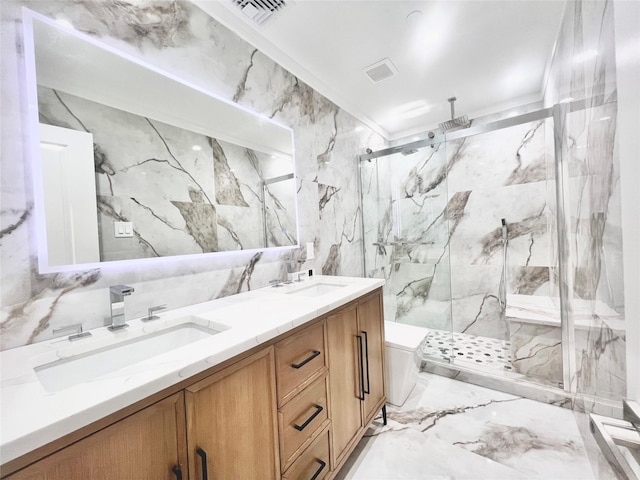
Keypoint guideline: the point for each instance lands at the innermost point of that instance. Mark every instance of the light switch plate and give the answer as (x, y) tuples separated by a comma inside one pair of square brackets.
[(123, 229), (310, 251)]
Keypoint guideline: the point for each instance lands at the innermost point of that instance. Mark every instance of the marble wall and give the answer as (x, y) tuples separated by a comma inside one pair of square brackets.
[(177, 37), (590, 243), (451, 198), (180, 200)]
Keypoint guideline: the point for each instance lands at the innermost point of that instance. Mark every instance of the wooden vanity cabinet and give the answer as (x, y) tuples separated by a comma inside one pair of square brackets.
[(147, 444), (356, 365), (294, 409), (301, 372), (232, 429), (371, 324)]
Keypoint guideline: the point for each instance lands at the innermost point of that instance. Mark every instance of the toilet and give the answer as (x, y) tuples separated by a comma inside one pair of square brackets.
[(403, 347)]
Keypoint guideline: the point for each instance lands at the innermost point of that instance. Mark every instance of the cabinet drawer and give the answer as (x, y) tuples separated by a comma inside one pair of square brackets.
[(301, 418), (298, 358), (313, 463)]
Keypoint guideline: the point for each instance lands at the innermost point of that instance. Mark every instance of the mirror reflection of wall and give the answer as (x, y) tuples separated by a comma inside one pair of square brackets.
[(183, 192)]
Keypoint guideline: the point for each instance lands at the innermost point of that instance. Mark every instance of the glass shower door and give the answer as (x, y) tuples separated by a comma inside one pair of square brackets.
[(406, 236)]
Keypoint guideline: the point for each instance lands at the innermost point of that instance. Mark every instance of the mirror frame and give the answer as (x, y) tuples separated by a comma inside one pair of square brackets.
[(33, 154)]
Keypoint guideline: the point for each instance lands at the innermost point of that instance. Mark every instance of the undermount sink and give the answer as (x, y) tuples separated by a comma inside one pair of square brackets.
[(317, 289), (104, 359)]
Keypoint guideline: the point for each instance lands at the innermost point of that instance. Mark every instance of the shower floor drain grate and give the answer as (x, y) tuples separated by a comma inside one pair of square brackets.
[(466, 348)]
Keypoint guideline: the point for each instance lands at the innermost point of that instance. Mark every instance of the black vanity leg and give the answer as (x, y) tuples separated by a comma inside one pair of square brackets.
[(384, 415)]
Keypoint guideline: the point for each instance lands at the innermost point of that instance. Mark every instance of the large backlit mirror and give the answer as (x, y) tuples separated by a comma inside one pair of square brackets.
[(133, 163)]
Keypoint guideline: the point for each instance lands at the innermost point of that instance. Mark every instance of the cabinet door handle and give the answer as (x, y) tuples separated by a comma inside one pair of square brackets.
[(361, 394), (366, 356), (322, 465), (177, 472), (310, 419), (203, 457), (306, 360)]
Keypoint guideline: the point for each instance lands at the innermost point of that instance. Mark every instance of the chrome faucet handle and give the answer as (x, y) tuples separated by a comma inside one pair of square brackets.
[(76, 327), (150, 316)]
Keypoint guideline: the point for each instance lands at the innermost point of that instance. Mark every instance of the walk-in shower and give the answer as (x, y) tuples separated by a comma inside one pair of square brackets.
[(478, 234)]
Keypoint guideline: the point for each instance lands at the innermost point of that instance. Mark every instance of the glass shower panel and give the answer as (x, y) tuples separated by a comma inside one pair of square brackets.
[(593, 257), (405, 218), (494, 176)]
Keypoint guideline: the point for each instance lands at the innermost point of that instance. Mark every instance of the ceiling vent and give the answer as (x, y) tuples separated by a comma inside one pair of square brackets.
[(381, 70), (260, 10)]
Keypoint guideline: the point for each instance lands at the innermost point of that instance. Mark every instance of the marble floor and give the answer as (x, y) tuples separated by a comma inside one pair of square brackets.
[(453, 430)]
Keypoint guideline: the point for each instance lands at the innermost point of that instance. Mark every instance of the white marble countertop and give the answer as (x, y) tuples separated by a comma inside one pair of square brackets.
[(31, 416)]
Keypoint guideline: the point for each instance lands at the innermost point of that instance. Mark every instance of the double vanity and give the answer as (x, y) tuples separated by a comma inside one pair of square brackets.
[(279, 382)]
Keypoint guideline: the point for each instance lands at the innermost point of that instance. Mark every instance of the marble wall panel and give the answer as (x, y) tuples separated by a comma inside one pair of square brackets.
[(178, 37), (536, 350), (508, 156), (504, 175)]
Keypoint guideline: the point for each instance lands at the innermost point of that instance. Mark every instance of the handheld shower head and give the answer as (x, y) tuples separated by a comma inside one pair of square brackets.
[(505, 236)]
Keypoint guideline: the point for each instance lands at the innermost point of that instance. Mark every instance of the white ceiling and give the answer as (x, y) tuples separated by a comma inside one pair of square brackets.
[(491, 54)]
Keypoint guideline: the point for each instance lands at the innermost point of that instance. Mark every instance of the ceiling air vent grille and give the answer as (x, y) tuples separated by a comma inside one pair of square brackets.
[(381, 70), (260, 10)]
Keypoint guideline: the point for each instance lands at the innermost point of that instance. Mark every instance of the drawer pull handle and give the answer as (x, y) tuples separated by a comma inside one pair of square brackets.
[(366, 356), (361, 362), (177, 472), (306, 360), (322, 465), (310, 419), (203, 457)]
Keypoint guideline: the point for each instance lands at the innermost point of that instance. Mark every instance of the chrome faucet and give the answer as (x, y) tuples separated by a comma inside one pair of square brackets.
[(117, 293), (77, 328), (292, 273)]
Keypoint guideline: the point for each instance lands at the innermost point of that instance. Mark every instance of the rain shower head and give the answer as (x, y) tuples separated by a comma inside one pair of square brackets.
[(459, 122)]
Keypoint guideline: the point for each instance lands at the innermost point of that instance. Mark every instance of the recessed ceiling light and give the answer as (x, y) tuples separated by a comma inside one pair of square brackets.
[(516, 77), (196, 148), (411, 109), (414, 18)]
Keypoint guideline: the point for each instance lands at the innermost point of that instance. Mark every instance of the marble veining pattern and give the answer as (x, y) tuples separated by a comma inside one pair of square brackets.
[(450, 429), (178, 37), (186, 211), (438, 213)]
